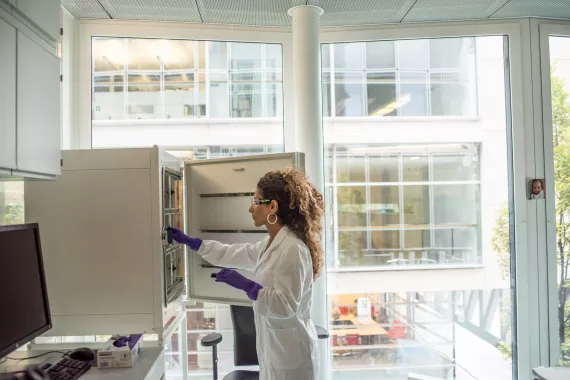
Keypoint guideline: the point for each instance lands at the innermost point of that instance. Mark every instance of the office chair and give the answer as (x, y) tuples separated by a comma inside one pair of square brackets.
[(245, 351)]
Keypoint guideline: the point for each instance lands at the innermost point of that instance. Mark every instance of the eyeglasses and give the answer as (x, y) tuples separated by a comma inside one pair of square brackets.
[(256, 201)]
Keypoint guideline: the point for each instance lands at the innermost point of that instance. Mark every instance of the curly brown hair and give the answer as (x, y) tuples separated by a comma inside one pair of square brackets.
[(300, 207)]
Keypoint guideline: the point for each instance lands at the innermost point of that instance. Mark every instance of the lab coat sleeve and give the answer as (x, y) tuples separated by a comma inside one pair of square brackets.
[(239, 256), (282, 299)]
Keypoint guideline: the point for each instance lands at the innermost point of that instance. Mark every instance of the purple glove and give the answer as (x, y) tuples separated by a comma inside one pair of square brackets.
[(236, 280), (182, 238)]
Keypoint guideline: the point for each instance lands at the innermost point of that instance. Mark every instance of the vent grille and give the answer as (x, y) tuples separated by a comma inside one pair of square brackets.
[(85, 9), (535, 8), (449, 10), (246, 12), (362, 12), (149, 10)]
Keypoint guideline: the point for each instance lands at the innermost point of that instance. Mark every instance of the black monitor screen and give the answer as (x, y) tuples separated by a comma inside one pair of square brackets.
[(24, 308)]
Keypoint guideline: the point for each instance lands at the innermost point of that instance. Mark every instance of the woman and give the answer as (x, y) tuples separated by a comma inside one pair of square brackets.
[(284, 266)]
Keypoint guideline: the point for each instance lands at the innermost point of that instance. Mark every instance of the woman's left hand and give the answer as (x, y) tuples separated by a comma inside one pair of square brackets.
[(239, 281)]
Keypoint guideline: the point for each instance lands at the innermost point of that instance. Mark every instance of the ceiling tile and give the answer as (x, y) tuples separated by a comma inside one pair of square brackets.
[(153, 10), (448, 10), (362, 12), (534, 8), (246, 12), (85, 9)]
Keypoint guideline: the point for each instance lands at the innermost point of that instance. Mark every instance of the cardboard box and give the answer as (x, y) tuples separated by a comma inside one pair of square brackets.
[(120, 357)]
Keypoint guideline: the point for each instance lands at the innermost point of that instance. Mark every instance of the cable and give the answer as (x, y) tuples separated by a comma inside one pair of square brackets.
[(38, 356)]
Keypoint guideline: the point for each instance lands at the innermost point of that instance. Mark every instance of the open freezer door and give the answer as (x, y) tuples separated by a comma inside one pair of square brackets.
[(218, 196)]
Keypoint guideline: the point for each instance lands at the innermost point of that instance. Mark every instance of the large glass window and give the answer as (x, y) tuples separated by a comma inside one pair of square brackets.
[(408, 205), (198, 100), (136, 78), (429, 77), (560, 98), (418, 243), (182, 94), (11, 202)]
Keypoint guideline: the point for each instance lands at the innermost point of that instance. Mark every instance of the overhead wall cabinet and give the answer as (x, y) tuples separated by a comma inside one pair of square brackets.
[(7, 96), (46, 14), (30, 101)]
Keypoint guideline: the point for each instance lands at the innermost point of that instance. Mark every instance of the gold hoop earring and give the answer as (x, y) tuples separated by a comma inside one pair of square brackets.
[(275, 221)]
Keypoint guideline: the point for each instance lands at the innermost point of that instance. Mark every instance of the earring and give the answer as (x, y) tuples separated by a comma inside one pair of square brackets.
[(275, 221)]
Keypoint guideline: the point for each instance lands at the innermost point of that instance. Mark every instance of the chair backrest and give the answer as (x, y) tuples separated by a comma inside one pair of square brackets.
[(245, 352), (398, 331)]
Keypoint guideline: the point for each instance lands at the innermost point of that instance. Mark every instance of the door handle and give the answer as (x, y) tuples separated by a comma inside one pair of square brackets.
[(209, 266)]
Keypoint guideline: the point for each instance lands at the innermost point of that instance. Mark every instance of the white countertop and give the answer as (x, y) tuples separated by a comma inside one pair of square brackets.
[(149, 366), (554, 373)]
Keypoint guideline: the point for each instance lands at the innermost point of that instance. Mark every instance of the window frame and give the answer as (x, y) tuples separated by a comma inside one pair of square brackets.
[(88, 29), (527, 331)]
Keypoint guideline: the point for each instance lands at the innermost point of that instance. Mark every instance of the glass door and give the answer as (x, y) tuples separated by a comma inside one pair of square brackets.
[(418, 181)]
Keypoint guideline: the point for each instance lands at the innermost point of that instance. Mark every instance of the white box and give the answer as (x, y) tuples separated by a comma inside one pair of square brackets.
[(120, 357)]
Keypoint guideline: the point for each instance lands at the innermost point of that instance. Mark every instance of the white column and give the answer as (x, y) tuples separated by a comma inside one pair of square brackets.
[(308, 128)]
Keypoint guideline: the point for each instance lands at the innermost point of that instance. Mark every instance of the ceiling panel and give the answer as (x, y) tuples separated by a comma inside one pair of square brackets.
[(448, 10), (362, 12), (154, 10), (85, 9), (246, 12), (535, 8), (337, 12)]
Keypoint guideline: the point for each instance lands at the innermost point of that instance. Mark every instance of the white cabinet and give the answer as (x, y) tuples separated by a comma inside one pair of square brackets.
[(7, 96), (45, 13), (38, 109)]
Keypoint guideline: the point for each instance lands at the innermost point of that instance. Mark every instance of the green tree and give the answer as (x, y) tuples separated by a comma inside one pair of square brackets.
[(14, 214), (500, 241), (561, 140)]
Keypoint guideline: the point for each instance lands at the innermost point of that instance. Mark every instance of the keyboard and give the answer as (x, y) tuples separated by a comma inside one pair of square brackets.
[(67, 369)]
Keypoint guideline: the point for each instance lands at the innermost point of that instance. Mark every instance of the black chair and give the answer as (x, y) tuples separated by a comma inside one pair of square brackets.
[(245, 352)]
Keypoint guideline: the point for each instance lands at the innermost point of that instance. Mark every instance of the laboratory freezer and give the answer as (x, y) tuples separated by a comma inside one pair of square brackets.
[(110, 265)]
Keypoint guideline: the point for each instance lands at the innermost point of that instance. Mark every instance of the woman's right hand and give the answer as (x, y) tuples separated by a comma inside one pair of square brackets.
[(180, 237)]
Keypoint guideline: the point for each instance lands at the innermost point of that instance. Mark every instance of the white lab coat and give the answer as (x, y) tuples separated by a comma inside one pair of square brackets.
[(287, 346)]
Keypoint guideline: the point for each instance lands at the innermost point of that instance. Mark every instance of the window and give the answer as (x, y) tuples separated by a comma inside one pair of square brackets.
[(11, 202), (431, 77), (419, 205), (182, 94), (408, 205), (560, 99), (135, 78)]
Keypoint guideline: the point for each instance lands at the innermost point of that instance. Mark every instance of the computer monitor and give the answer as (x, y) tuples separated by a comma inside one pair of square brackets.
[(24, 307)]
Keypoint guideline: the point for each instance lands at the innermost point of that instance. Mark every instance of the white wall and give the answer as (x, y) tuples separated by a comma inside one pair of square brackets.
[(69, 92)]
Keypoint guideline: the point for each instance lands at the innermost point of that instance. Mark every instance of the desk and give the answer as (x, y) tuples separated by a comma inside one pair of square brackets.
[(149, 366)]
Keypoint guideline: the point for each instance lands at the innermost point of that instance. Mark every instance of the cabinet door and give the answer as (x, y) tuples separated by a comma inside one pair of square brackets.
[(45, 13), (39, 135), (7, 96), (218, 195)]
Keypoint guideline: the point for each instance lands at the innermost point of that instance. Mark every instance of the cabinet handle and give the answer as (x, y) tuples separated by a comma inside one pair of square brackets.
[(239, 170)]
